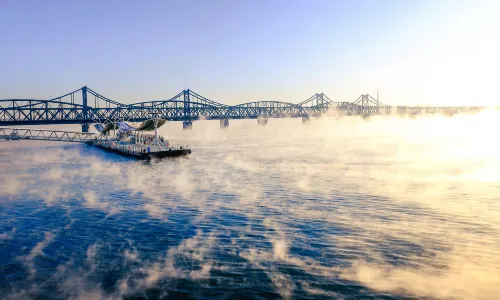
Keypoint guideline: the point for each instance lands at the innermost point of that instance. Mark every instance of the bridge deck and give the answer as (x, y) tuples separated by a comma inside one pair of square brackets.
[(7, 133)]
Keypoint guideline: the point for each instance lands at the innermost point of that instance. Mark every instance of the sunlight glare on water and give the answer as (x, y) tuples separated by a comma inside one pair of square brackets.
[(340, 208)]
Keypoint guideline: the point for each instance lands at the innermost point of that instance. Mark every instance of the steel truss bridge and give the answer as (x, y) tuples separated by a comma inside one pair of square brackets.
[(85, 106), (44, 135)]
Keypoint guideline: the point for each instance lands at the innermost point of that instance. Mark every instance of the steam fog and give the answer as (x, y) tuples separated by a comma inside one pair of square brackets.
[(383, 206)]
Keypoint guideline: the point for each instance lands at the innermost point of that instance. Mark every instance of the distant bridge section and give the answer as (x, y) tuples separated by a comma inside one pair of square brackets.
[(85, 106), (366, 105)]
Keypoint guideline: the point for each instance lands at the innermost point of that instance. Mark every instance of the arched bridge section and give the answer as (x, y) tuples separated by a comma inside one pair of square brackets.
[(85, 106)]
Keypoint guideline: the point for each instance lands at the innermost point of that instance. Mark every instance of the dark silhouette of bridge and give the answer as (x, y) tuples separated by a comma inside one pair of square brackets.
[(85, 106)]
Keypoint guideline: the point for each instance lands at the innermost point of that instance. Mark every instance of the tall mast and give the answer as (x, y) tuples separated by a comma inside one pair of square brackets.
[(155, 121)]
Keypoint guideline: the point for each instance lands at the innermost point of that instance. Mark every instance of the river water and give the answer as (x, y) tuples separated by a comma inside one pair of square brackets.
[(341, 208)]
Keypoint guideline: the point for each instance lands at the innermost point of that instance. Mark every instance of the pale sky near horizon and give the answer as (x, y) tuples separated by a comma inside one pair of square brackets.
[(414, 52)]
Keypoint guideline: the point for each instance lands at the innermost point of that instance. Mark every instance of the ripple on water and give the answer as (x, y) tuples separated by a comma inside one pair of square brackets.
[(341, 208)]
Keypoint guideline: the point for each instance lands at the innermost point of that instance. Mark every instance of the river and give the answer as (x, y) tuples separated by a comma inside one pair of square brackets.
[(341, 208)]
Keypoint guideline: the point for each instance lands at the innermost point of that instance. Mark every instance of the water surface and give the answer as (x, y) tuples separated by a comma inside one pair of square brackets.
[(341, 208)]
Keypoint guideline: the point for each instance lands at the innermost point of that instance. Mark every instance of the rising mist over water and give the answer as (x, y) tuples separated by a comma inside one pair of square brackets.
[(340, 208)]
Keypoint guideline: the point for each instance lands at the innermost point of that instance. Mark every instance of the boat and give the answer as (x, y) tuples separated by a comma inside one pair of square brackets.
[(128, 140)]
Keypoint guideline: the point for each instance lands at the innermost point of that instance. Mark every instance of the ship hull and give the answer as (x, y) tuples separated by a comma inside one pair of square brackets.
[(170, 153), (148, 156)]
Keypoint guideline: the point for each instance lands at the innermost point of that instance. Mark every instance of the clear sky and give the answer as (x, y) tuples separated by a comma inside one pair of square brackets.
[(426, 52)]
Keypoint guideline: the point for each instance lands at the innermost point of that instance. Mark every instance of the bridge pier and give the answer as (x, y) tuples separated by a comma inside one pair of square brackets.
[(224, 123), (85, 127), (188, 124), (305, 120), (262, 121)]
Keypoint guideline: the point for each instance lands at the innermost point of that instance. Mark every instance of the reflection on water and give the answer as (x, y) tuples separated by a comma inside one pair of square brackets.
[(340, 208)]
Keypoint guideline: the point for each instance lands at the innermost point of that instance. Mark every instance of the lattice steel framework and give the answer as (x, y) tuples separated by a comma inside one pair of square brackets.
[(44, 135), (85, 106)]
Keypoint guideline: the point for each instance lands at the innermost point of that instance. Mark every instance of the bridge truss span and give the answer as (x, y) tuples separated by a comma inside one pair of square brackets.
[(266, 109), (85, 106), (44, 135)]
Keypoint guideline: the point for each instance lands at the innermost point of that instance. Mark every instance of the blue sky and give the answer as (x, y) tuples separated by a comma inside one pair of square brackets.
[(427, 52)]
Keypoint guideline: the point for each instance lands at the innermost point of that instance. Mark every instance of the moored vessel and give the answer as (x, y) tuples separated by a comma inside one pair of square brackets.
[(137, 142)]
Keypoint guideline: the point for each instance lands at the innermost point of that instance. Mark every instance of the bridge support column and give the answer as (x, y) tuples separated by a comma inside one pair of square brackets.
[(224, 123), (305, 120), (187, 124), (85, 127), (262, 121)]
